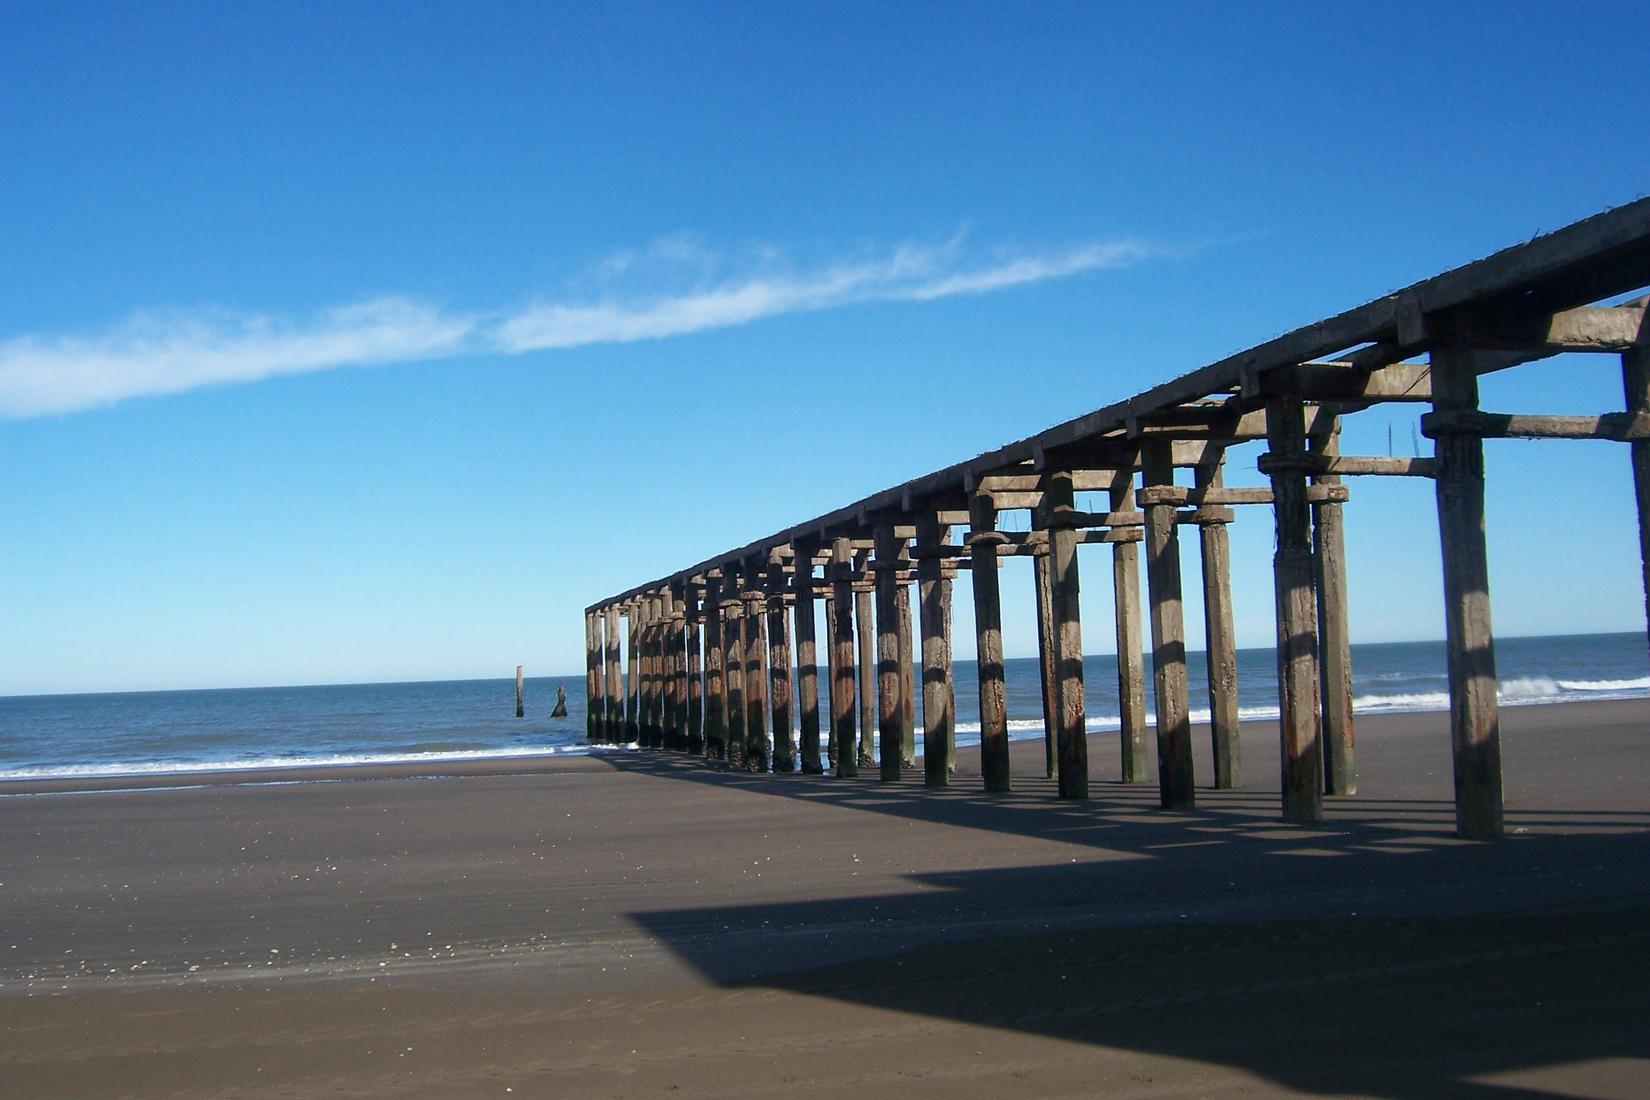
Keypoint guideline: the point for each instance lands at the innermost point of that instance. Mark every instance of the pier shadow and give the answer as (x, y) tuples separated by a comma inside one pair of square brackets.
[(1034, 809), (1374, 955)]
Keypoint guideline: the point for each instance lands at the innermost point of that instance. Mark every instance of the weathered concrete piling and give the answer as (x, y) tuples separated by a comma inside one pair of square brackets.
[(710, 668)]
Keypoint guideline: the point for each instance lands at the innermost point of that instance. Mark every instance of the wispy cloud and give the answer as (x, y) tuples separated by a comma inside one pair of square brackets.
[(909, 273), (158, 354), (167, 353)]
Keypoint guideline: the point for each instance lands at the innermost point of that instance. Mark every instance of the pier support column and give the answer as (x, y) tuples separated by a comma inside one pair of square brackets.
[(1219, 646), (1131, 678), (678, 642), (938, 699), (830, 674), (592, 694), (890, 706), (907, 666), (1340, 773), (779, 671), (614, 728), (658, 630), (716, 699), (756, 675), (652, 726), (867, 667), (645, 694), (633, 678), (1045, 660), (646, 714), (1294, 577), (843, 702), (695, 672), (1066, 633), (1475, 722), (807, 656), (1175, 781), (1635, 377), (983, 540), (644, 681), (733, 660), (670, 652), (598, 716)]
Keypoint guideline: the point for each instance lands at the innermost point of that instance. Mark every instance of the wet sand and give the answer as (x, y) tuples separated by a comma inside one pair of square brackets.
[(643, 924)]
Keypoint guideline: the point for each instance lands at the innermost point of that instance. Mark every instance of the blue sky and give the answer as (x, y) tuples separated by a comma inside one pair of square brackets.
[(373, 342)]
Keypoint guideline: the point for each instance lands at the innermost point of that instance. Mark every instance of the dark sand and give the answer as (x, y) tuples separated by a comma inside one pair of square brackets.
[(644, 924)]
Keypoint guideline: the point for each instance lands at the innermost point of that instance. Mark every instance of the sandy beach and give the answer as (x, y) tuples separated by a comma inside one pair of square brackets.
[(633, 924)]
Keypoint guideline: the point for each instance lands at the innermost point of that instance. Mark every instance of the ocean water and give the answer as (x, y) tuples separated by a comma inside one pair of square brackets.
[(171, 731)]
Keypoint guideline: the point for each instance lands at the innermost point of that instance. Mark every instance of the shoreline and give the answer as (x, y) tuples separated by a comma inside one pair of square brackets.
[(530, 762), (278, 774)]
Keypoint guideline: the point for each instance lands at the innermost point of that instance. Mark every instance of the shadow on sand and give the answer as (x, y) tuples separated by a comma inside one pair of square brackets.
[(1374, 955)]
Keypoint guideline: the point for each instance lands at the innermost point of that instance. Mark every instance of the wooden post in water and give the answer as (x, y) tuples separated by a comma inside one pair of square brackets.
[(1340, 773), (1635, 378), (807, 655), (716, 699), (1219, 646), (890, 708), (983, 541), (867, 668), (779, 670), (907, 666), (1066, 631), (591, 692), (1294, 575), (756, 675), (1175, 784), (842, 650), (633, 682), (615, 680), (1045, 658), (733, 643), (1131, 679), (938, 700), (521, 701), (1475, 721)]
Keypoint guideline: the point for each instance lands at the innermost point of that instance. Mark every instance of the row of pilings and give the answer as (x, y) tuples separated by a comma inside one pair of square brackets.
[(718, 655), (716, 665)]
